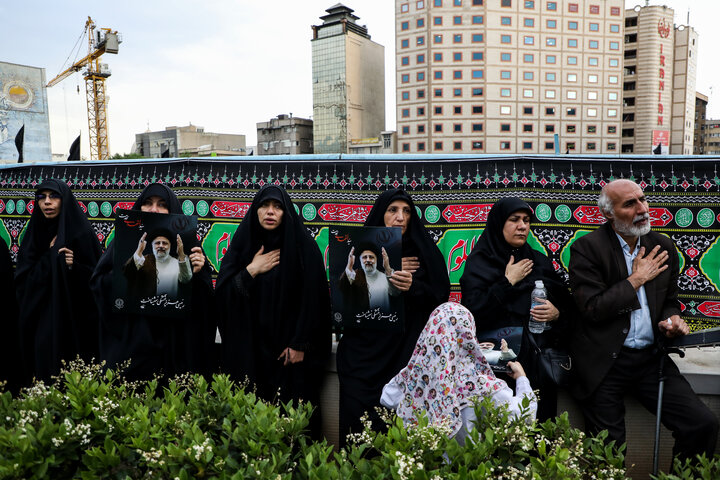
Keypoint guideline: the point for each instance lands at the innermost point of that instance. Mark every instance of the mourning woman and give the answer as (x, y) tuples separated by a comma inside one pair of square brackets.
[(448, 373), (274, 303), (58, 319), (499, 277), (10, 353), (155, 344), (368, 359)]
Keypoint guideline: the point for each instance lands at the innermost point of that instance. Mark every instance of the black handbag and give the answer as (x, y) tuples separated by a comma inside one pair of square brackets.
[(553, 364)]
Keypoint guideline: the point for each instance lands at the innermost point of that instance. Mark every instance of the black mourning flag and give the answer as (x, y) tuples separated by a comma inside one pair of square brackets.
[(165, 153), (657, 150), (19, 142), (75, 150)]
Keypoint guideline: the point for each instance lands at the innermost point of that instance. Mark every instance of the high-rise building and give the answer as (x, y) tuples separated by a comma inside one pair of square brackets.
[(285, 135), (701, 102), (658, 83), (348, 71), (507, 76)]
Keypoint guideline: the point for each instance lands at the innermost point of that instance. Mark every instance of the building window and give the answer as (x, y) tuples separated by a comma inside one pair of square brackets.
[(457, 92), (611, 146), (420, 4), (549, 93), (572, 60), (404, 43), (527, 128), (437, 38), (528, 75), (477, 127), (550, 41), (614, 46), (550, 76), (570, 146), (594, 9), (505, 21), (572, 77), (592, 78), (405, 130), (573, 7), (437, 3), (572, 95), (477, 92), (506, 3), (505, 38), (406, 95), (590, 146), (477, 37), (572, 25), (420, 58), (549, 110), (571, 111), (527, 145), (438, 146), (528, 58), (421, 93), (615, 28), (404, 25), (477, 19), (529, 3), (420, 76), (572, 42), (420, 111), (421, 129), (529, 22), (457, 38), (405, 147), (457, 20), (593, 62), (437, 57), (528, 93), (457, 74), (457, 127), (591, 129), (457, 145), (550, 59), (405, 112), (477, 145), (457, 110), (405, 78), (477, 109), (404, 8), (529, 40), (405, 61), (552, 5), (505, 75), (504, 92), (437, 21), (438, 110), (527, 110), (505, 57), (594, 27), (549, 128), (613, 79), (612, 112), (438, 127), (592, 112), (438, 93), (552, 24), (457, 57), (504, 145), (505, 110), (477, 2), (420, 22), (457, 3), (612, 129), (420, 40), (614, 62), (476, 74), (438, 74), (421, 146), (615, 11), (504, 127), (549, 145), (593, 44), (592, 95)]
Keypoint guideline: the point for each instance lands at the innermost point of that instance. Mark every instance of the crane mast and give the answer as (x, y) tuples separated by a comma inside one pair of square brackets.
[(103, 41)]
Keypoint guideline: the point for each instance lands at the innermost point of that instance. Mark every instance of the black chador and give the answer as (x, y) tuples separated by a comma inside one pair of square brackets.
[(58, 319), (368, 359), (285, 307), (10, 354), (156, 345)]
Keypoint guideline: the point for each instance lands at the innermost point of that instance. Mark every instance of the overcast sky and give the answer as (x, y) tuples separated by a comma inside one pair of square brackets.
[(221, 64)]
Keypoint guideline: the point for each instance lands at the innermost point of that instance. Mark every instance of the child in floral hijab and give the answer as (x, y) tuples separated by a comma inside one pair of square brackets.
[(447, 372)]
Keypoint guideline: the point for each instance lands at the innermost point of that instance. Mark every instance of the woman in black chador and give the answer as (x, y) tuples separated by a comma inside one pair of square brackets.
[(274, 303), (10, 352), (58, 319), (368, 359), (154, 344), (499, 276)]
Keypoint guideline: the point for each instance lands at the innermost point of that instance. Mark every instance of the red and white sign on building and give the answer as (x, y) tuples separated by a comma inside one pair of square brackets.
[(661, 141)]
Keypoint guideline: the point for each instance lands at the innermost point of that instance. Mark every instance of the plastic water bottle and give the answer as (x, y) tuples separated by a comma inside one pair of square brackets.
[(537, 297)]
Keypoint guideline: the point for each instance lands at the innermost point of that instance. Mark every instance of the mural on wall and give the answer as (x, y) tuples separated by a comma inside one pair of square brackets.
[(453, 198), (23, 101)]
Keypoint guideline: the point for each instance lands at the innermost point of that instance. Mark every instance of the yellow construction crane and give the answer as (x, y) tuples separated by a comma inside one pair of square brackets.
[(104, 40)]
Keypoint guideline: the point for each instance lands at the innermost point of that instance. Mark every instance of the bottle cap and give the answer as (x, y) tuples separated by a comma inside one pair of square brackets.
[(539, 284)]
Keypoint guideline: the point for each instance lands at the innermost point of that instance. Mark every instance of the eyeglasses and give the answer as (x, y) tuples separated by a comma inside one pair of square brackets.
[(41, 196)]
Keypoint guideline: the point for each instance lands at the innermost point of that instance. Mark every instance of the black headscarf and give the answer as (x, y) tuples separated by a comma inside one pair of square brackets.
[(58, 319), (288, 306), (155, 345), (485, 289), (366, 361)]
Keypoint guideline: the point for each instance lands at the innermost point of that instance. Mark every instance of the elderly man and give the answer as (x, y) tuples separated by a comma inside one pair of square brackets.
[(157, 273), (624, 280), (368, 287)]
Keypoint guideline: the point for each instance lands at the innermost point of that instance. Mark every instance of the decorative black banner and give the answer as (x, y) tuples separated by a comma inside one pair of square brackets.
[(453, 196)]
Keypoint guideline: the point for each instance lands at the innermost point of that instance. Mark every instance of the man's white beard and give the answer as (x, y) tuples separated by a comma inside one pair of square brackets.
[(161, 257), (369, 270), (630, 229)]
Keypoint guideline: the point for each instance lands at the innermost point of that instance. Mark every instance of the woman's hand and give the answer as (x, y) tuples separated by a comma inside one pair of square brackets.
[(68, 256), (263, 262), (516, 370), (289, 356), (515, 272), (197, 259), (401, 280), (545, 312)]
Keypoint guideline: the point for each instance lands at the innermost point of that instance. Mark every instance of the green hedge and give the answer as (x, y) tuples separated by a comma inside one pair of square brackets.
[(93, 423)]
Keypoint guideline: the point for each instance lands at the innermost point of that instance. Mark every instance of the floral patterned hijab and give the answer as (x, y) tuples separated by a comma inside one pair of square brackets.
[(447, 371)]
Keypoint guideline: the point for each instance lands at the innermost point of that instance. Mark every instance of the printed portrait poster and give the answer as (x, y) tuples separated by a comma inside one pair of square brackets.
[(360, 260), (148, 276), (500, 346)]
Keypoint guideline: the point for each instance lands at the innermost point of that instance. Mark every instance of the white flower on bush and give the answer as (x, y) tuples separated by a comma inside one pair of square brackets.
[(406, 464), (153, 457), (197, 451), (80, 431)]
